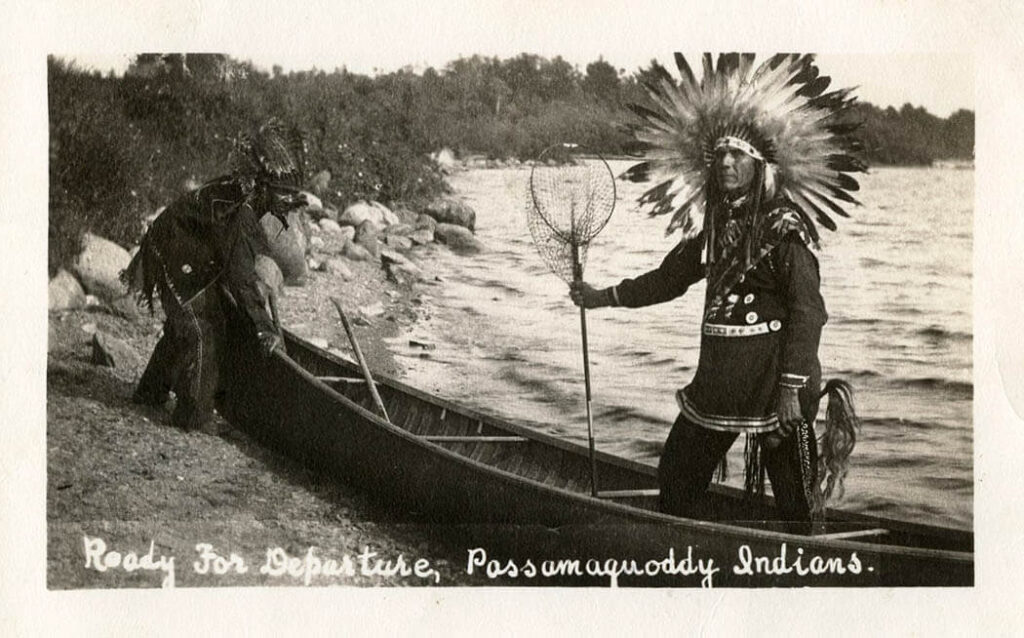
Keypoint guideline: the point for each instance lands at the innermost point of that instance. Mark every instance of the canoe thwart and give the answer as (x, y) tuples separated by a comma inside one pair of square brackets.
[(341, 380), (476, 439), (628, 493), (875, 531)]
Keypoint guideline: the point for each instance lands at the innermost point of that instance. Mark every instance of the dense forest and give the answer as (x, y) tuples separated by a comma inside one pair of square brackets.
[(121, 146)]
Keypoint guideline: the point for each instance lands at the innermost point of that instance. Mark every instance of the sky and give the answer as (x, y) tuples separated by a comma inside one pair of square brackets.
[(892, 51)]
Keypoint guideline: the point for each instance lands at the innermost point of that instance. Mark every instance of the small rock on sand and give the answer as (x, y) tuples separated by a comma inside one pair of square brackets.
[(459, 239), (372, 310), (112, 352), (355, 252), (338, 268)]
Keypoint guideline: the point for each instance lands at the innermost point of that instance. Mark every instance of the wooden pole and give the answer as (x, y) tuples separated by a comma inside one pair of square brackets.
[(359, 357), (577, 275)]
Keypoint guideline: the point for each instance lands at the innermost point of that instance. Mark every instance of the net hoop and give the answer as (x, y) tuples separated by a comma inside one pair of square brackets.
[(578, 151)]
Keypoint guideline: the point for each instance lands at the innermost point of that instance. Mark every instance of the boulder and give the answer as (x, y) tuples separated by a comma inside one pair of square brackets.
[(65, 292), (271, 279), (329, 226), (398, 242), (404, 274), (358, 213), (113, 353), (99, 267), (314, 205), (316, 243), (451, 210), (422, 236), (390, 219), (355, 252), (406, 216), (426, 221), (401, 229), (388, 257), (363, 211), (288, 247), (458, 239), (347, 233), (368, 236)]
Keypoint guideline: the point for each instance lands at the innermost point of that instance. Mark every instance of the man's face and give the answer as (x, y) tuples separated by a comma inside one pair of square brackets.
[(734, 170)]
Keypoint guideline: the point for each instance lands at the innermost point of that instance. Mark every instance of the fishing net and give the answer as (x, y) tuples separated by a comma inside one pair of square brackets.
[(570, 200)]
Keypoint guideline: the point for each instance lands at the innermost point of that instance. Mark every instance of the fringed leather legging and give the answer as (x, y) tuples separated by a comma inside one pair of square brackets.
[(692, 453)]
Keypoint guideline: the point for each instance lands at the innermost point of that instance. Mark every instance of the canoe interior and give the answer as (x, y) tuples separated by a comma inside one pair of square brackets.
[(556, 463)]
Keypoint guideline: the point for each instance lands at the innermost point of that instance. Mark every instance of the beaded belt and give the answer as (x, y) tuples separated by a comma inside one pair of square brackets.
[(720, 330)]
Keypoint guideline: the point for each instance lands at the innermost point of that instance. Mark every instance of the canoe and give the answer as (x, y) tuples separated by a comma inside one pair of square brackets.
[(520, 500)]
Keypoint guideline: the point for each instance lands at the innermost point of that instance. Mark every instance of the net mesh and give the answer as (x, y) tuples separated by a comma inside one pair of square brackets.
[(567, 206)]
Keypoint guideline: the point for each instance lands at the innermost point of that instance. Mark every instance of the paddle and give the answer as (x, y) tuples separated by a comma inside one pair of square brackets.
[(359, 357)]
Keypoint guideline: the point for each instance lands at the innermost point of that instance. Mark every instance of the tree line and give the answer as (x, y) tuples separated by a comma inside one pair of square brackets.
[(121, 146)]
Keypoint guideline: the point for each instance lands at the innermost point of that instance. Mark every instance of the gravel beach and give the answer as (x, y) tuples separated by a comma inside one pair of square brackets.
[(126, 491)]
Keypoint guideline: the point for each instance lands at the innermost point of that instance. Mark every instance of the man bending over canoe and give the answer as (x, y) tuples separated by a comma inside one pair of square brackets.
[(199, 255), (742, 159)]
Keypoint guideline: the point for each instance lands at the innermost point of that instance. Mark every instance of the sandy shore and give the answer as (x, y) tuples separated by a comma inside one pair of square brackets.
[(121, 478)]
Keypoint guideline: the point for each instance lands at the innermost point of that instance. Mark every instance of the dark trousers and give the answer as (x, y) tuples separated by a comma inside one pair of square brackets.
[(692, 453), (187, 360)]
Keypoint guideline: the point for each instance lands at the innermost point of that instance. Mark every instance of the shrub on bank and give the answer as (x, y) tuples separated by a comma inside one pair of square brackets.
[(120, 147)]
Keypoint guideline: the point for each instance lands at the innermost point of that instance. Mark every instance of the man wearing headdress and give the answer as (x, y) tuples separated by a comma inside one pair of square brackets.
[(199, 255), (734, 161)]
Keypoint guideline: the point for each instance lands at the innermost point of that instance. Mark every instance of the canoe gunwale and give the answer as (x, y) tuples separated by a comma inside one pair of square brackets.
[(599, 505)]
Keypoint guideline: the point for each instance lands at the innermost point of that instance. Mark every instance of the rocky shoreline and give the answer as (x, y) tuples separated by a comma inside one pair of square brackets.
[(119, 474)]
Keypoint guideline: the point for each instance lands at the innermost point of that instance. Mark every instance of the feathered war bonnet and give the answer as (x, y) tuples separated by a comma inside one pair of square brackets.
[(779, 108), (271, 158)]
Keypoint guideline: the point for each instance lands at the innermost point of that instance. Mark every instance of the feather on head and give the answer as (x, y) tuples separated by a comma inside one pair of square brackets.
[(272, 155), (780, 108)]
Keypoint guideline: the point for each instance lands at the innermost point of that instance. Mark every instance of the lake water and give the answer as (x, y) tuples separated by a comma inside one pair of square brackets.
[(896, 280)]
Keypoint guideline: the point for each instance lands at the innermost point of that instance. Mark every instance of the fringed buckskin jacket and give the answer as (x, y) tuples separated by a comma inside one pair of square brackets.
[(762, 320), (206, 241)]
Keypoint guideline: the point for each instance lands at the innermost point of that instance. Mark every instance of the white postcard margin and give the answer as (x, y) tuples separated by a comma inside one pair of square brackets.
[(986, 30)]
